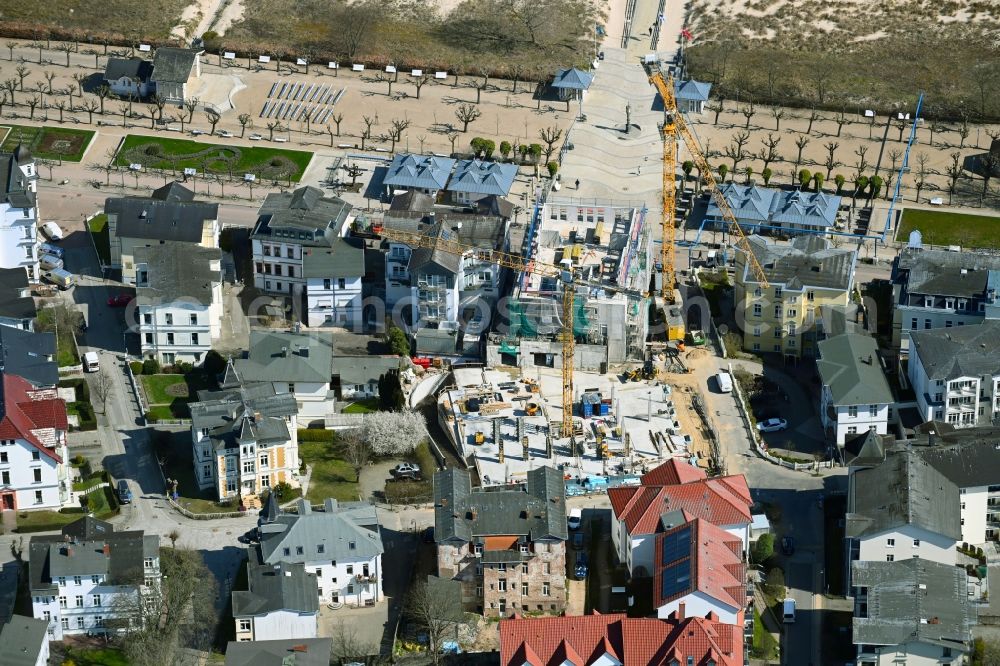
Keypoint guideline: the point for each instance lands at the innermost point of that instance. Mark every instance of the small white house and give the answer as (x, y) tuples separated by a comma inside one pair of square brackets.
[(280, 602), (128, 77), (855, 397)]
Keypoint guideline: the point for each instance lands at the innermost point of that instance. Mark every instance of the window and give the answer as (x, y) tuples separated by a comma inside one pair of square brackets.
[(916, 543), (502, 566), (502, 585), (321, 548), (777, 348), (288, 551), (147, 318), (890, 558), (872, 410), (949, 303), (96, 600), (913, 323), (852, 430), (777, 332), (193, 319), (169, 319), (777, 292), (47, 615), (891, 543), (757, 309), (757, 292), (98, 621), (149, 338), (38, 497), (290, 252), (96, 580), (524, 589), (756, 331), (756, 346), (547, 568), (777, 311), (852, 411), (352, 545), (244, 625), (148, 563), (810, 296), (350, 569), (524, 568), (341, 283), (62, 602), (170, 338), (37, 474), (291, 271), (545, 589), (947, 324), (927, 323), (350, 589), (792, 313), (3, 457), (299, 550), (65, 623), (267, 250), (928, 301), (79, 601), (36, 455), (248, 467), (479, 590), (263, 460), (326, 283), (194, 338)]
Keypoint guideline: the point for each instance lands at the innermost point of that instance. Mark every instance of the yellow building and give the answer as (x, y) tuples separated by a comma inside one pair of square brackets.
[(805, 278)]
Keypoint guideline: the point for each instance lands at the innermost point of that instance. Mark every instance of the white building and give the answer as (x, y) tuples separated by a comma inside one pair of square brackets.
[(341, 545), (280, 602), (333, 284), (76, 577), (19, 212), (128, 77), (955, 373), (179, 298), (855, 397), (33, 454)]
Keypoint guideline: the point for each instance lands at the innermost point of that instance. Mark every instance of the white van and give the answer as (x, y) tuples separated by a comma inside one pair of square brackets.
[(59, 277), (51, 231), (49, 262), (91, 362), (725, 381), (788, 611)]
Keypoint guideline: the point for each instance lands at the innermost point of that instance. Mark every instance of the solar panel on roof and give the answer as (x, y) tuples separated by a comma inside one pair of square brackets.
[(676, 579), (677, 545)]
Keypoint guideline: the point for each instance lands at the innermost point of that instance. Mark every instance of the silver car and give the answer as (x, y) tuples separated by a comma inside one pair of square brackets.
[(49, 262)]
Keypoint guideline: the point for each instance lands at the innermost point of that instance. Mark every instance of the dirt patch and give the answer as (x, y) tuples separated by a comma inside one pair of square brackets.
[(177, 390)]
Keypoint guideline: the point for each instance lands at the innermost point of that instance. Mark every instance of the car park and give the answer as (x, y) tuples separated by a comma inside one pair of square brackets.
[(120, 300), (772, 425), (124, 494)]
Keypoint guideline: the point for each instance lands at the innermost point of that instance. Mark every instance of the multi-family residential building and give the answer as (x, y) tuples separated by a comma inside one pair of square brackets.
[(765, 210), (280, 602), (955, 373), (617, 640), (340, 545), (17, 307), (915, 612), (244, 439), (426, 174), (357, 377), (33, 455), (30, 356), (942, 289), (179, 299), (855, 397), (700, 567), (607, 247), (169, 215), (506, 545), (674, 487), (903, 508), (286, 652), (24, 641), (333, 284), (19, 212), (77, 578), (804, 278)]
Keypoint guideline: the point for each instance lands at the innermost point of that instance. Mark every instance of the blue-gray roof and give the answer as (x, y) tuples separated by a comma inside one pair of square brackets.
[(692, 91), (419, 171), (748, 202), (572, 78), (772, 206), (478, 177), (342, 531)]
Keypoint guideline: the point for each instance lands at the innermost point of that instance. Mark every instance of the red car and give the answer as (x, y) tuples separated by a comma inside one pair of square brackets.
[(120, 301)]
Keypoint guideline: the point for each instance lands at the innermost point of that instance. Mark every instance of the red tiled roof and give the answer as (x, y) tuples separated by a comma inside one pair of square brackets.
[(717, 568), (21, 413), (632, 641), (721, 501), (672, 473)]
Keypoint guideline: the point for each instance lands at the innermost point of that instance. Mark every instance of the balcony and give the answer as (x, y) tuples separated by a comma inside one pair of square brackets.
[(969, 389), (365, 580)]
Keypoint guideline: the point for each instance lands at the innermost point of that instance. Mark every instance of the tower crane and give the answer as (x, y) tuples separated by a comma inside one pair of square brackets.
[(564, 274), (673, 125)]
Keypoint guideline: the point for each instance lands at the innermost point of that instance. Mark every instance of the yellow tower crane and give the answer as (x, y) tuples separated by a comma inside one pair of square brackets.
[(673, 124), (520, 264)]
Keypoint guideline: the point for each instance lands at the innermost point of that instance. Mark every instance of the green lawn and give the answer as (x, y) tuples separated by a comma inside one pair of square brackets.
[(177, 154), (65, 349), (96, 657), (331, 476), (102, 239), (764, 646), (168, 395), (179, 465), (49, 143), (365, 406), (944, 228)]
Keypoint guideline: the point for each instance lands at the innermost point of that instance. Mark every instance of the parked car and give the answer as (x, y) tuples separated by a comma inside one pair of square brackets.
[(772, 425), (405, 472), (60, 278), (49, 262), (725, 381), (225, 133), (49, 248), (52, 231), (580, 568), (120, 300), (788, 546), (124, 494), (255, 137), (575, 518), (197, 132)]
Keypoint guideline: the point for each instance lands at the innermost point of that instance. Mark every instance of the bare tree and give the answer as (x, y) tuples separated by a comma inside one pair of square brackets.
[(271, 127), (39, 46), (67, 49), (452, 136), (101, 386), (245, 119), (152, 115), (954, 172), (435, 606), (49, 77), (124, 110), (549, 136), (3, 102), (467, 113), (174, 536), (814, 115), (11, 86), (22, 73), (819, 75), (337, 118), (963, 132), (990, 164), (862, 164), (61, 105), (736, 149), (716, 108), (935, 128), (419, 82), (213, 117), (777, 113), (381, 77), (396, 131), (748, 112), (369, 121), (354, 449), (102, 93), (480, 86), (347, 646), (191, 104), (769, 152), (831, 159), (80, 77), (841, 120), (354, 171), (33, 102), (10, 47)]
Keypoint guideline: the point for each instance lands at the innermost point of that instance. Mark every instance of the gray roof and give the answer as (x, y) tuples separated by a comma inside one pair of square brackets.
[(346, 531), (21, 641), (412, 200), (304, 216), (363, 369), (173, 64), (766, 205), (939, 272), (27, 355), (479, 177), (283, 356), (244, 413), (808, 261), (485, 231), (15, 188), (136, 69), (904, 490), (849, 365), (13, 282), (80, 551), (425, 172), (345, 258), (962, 351), (273, 587), (163, 216), (969, 457), (176, 271), (536, 510), (573, 79), (913, 600), (691, 90), (436, 342), (285, 652)]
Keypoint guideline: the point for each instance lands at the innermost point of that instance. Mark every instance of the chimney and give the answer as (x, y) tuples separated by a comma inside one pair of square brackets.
[(107, 550), (284, 352), (304, 507), (680, 611)]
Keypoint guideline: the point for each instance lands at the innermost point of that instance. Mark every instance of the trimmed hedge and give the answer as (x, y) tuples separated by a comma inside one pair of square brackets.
[(316, 435)]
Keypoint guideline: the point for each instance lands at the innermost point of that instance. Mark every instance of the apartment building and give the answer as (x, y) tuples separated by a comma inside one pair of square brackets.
[(424, 174), (169, 215), (280, 602), (19, 212), (768, 209), (942, 289), (76, 578), (33, 454), (804, 278), (179, 299), (244, 440), (341, 545), (955, 373), (505, 545), (855, 397)]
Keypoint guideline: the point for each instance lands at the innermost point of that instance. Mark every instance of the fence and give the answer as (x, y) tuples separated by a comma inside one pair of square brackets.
[(204, 516), (136, 391)]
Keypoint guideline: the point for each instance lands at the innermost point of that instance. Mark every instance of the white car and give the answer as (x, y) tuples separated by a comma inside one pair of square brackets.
[(725, 381), (225, 133), (197, 132), (255, 137), (51, 231), (772, 425), (575, 518)]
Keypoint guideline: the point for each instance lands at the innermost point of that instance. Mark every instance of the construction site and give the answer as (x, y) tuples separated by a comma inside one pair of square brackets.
[(503, 424)]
